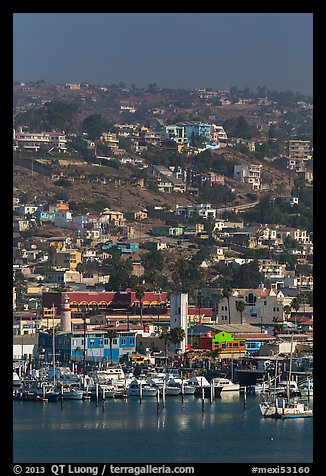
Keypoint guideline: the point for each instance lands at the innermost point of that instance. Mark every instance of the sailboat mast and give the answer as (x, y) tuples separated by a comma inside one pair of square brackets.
[(53, 345), (290, 370)]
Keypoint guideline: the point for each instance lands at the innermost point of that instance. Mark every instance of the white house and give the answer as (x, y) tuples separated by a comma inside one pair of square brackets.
[(248, 173), (63, 219)]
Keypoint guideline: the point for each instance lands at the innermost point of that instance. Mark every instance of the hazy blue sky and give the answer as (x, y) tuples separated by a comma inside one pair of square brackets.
[(175, 50)]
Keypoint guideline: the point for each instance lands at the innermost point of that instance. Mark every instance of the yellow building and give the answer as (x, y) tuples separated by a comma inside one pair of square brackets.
[(67, 259)]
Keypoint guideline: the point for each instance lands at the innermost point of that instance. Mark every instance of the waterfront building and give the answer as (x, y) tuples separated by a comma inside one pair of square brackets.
[(94, 343), (25, 346), (230, 340), (110, 302)]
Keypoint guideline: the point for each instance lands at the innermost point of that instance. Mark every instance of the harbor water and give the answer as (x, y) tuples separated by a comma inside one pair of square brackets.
[(228, 430)]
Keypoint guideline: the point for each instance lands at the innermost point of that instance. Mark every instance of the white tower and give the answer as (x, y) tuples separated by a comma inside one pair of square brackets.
[(65, 314), (179, 316)]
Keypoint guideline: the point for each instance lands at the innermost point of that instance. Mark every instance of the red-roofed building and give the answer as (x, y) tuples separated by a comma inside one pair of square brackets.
[(105, 301)]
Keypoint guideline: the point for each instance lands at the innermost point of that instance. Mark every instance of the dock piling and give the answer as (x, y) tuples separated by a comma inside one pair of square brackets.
[(202, 397)]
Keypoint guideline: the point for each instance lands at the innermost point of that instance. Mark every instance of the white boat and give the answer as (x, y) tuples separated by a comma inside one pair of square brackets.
[(285, 409), (185, 387), (71, 393), (16, 379), (222, 384), (106, 376), (201, 384), (171, 388), (141, 388)]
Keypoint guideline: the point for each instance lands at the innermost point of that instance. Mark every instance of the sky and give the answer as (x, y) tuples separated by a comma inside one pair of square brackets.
[(173, 50)]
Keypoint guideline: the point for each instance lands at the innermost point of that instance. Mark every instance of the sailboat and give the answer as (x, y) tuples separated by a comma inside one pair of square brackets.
[(287, 407)]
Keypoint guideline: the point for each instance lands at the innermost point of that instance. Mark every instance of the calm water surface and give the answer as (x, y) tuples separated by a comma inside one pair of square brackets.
[(130, 432)]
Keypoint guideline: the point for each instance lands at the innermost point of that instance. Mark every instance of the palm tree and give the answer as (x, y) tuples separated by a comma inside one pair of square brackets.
[(77, 350), (295, 305), (227, 293), (166, 337), (140, 293), (287, 311), (240, 306), (177, 335), (111, 334)]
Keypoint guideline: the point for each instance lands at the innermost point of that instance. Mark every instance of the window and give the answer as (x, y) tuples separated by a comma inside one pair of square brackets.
[(115, 341), (251, 299), (106, 341), (123, 341), (100, 342), (91, 342)]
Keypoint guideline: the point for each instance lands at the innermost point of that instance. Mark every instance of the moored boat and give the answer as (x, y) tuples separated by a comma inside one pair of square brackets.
[(69, 392), (140, 388), (222, 384), (284, 408)]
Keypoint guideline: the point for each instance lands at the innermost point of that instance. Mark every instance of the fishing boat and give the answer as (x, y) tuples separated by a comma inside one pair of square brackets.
[(283, 401), (139, 388), (285, 409)]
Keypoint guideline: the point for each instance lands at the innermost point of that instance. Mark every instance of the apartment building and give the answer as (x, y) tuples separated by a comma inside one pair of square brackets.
[(177, 134), (110, 139), (271, 269), (248, 173), (298, 149)]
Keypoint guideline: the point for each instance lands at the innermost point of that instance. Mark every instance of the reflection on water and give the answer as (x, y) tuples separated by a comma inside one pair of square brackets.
[(49, 432), (230, 396)]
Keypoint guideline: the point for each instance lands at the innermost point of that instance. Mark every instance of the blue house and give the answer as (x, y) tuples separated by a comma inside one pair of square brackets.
[(44, 215), (69, 346), (124, 248)]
